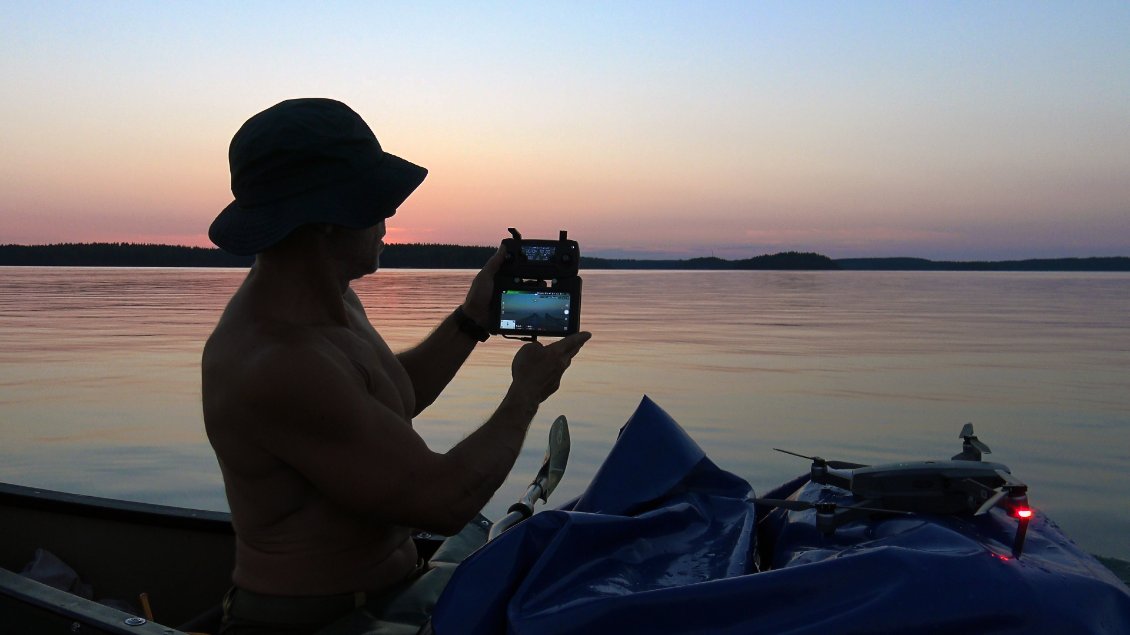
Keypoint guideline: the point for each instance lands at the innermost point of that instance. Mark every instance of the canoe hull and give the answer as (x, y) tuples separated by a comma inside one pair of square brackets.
[(181, 558)]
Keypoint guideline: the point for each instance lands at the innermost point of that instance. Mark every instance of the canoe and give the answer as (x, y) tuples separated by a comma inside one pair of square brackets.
[(661, 541), (181, 559)]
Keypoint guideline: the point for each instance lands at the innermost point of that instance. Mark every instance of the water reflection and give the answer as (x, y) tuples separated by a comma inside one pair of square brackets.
[(99, 376)]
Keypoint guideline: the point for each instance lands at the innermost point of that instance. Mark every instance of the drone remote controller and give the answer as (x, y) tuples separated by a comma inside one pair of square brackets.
[(537, 291)]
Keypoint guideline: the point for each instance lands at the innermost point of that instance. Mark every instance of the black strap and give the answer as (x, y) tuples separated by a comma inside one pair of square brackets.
[(469, 326)]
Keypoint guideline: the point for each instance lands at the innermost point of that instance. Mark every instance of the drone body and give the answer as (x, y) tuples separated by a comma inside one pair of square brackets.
[(963, 485), (933, 487)]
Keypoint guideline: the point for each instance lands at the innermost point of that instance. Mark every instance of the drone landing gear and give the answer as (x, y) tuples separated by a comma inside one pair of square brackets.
[(1021, 531), (1018, 507)]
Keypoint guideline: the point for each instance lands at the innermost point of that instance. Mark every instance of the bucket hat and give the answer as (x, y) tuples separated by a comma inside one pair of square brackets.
[(306, 161)]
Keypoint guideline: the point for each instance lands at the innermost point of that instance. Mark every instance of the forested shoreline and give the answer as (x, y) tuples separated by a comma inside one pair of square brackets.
[(441, 256)]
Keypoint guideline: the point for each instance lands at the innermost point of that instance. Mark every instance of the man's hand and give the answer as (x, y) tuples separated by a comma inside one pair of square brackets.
[(537, 369), (477, 303)]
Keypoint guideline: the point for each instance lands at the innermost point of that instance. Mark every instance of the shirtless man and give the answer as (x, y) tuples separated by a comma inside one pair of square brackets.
[(308, 409)]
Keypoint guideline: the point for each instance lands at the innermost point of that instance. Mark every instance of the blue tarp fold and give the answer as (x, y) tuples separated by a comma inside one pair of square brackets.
[(663, 541)]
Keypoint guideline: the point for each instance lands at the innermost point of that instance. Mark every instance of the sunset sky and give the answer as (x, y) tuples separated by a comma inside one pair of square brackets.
[(946, 130)]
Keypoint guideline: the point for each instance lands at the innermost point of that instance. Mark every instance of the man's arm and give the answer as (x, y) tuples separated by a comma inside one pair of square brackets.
[(433, 362), (313, 413)]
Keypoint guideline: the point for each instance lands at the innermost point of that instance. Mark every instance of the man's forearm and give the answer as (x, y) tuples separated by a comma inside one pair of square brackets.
[(487, 455), (433, 362)]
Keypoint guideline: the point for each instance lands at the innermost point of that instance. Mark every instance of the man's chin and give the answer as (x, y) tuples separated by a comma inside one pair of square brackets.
[(364, 269)]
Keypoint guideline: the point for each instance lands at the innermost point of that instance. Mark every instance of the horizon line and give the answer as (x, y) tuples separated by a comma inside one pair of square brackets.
[(672, 258)]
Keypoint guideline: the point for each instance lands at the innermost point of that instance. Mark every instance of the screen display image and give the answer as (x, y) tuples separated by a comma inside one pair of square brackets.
[(534, 311)]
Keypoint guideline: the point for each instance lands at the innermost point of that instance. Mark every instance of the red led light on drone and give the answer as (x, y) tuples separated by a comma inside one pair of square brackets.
[(1024, 513)]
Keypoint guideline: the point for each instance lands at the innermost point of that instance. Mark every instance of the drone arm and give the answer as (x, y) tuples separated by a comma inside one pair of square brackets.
[(826, 477)]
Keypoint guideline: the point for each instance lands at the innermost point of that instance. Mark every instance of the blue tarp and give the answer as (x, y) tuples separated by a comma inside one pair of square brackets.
[(664, 541)]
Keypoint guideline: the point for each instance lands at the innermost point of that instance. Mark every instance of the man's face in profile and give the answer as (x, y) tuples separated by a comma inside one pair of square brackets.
[(360, 249)]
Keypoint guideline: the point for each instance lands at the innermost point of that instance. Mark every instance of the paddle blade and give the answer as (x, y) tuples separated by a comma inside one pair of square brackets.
[(557, 455)]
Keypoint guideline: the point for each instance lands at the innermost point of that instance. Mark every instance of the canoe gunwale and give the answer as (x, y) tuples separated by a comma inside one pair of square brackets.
[(61, 606), (108, 508)]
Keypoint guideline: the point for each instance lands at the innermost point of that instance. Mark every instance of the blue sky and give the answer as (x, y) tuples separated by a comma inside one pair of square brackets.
[(943, 130)]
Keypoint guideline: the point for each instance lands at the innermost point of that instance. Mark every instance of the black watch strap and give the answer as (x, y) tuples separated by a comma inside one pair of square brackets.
[(469, 326)]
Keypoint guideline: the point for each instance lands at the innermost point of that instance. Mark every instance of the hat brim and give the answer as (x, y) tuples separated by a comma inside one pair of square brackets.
[(357, 201)]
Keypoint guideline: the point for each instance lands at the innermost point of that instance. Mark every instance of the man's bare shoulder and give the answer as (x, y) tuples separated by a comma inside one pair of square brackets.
[(236, 345), (272, 353), (274, 372)]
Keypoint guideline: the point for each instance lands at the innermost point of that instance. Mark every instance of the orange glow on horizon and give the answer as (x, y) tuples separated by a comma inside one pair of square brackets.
[(406, 235)]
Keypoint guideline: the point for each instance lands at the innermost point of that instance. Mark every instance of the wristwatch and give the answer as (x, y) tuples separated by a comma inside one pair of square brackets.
[(469, 326)]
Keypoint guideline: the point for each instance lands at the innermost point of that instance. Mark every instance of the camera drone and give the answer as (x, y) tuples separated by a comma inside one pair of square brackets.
[(963, 485)]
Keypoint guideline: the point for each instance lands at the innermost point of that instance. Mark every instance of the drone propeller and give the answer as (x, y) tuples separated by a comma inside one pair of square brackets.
[(991, 502), (798, 506), (835, 465), (1010, 487), (971, 448)]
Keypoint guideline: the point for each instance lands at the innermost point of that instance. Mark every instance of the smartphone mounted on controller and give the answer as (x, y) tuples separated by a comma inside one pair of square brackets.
[(537, 292)]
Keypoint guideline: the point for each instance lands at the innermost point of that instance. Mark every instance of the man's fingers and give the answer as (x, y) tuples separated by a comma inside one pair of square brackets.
[(564, 349), (495, 261), (569, 346), (541, 367), (492, 264)]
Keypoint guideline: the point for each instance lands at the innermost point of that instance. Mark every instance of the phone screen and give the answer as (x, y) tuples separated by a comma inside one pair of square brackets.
[(534, 311)]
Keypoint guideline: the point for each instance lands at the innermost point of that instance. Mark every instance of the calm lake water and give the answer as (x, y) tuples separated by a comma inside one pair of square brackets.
[(100, 391)]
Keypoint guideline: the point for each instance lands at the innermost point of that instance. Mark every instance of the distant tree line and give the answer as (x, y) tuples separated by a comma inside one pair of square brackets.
[(434, 256), (1114, 263), (397, 256), (118, 255), (439, 256), (786, 260)]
